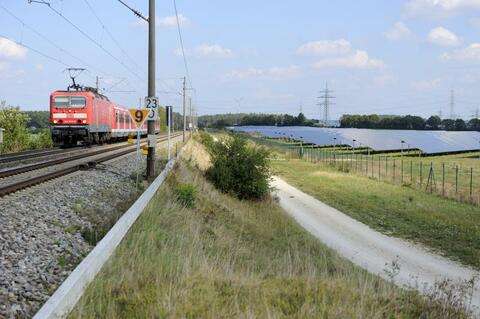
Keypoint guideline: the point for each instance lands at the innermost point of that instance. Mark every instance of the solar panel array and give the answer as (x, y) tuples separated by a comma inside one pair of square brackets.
[(429, 142)]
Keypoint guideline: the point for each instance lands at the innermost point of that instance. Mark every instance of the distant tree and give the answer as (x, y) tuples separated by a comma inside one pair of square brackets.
[(474, 125), (448, 124), (14, 122), (433, 123), (301, 119), (460, 125), (38, 119)]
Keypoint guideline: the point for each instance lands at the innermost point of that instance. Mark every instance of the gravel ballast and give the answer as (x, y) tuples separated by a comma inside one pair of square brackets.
[(48, 229)]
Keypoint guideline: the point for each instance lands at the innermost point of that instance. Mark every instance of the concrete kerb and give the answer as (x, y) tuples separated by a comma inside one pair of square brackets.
[(67, 295)]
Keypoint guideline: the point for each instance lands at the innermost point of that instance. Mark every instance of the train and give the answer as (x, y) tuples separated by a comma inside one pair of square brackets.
[(85, 116)]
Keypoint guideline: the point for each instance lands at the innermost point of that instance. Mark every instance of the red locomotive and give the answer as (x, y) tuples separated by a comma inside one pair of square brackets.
[(85, 116)]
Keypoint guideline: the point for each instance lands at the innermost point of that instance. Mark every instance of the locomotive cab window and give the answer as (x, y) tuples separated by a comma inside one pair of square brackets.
[(78, 101), (61, 101), (70, 101)]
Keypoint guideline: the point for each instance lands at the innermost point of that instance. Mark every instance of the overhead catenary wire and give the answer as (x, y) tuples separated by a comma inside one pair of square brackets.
[(37, 51), (180, 38), (111, 36), (50, 41), (86, 35)]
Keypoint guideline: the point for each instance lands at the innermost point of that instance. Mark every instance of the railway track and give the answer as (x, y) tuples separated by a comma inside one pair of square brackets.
[(20, 156), (77, 162)]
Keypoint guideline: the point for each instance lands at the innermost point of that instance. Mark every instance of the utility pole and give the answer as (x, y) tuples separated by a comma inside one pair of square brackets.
[(97, 84), (151, 87), (184, 112), (452, 105), (325, 104), (190, 124)]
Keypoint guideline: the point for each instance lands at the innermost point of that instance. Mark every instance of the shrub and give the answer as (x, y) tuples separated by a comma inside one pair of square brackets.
[(14, 122), (239, 168), (186, 195)]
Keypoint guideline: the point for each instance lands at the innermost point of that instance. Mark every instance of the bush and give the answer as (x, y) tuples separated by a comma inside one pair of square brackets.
[(14, 122), (186, 195), (43, 139), (239, 168)]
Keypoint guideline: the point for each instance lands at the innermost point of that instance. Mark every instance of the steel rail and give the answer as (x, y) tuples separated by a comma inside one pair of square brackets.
[(15, 187)]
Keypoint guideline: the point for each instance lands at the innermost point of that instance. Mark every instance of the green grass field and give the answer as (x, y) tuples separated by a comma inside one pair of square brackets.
[(450, 227), (225, 258), (455, 176)]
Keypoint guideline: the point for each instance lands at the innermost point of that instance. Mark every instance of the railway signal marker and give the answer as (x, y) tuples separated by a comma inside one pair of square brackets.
[(151, 104), (139, 116)]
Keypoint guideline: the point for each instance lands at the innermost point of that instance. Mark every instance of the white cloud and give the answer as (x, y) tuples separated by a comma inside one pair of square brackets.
[(39, 67), (425, 85), (325, 48), (399, 31), (268, 94), (11, 50), (382, 80), (276, 73), (439, 8), (207, 50), (470, 54), (475, 22), (443, 37), (357, 60), (171, 21)]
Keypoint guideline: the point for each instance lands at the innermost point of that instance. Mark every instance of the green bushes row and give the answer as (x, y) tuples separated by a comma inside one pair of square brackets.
[(16, 136), (238, 168)]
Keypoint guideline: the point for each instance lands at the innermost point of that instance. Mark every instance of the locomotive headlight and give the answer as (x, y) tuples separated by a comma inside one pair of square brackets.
[(55, 121), (84, 121)]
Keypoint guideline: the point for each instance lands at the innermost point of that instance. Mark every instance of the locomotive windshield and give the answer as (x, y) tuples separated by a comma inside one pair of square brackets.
[(70, 102)]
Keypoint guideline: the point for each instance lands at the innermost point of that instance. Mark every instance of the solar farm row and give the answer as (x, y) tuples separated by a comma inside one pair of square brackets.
[(429, 142)]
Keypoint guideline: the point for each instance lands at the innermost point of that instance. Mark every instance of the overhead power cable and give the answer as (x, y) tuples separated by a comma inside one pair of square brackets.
[(181, 43), (37, 51), (50, 41), (111, 35), (86, 35)]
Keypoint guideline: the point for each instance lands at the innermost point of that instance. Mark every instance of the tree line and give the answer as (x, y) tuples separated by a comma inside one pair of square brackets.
[(242, 119), (408, 122)]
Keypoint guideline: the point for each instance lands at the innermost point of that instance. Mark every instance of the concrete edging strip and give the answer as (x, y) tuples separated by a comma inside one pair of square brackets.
[(67, 295)]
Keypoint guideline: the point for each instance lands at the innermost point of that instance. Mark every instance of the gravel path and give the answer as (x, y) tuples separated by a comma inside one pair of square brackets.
[(407, 264), (41, 230)]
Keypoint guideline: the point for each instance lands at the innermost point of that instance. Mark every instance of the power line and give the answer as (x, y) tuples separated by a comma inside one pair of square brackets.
[(90, 38), (111, 35), (50, 41), (181, 43), (37, 51), (326, 103)]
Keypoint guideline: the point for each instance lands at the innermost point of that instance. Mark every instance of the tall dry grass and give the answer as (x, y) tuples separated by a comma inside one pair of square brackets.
[(226, 258)]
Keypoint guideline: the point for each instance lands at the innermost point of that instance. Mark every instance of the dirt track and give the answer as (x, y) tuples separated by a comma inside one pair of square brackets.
[(413, 265)]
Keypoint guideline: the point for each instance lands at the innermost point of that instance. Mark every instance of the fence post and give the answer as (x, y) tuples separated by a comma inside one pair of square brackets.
[(456, 179), (373, 166), (443, 179), (471, 183), (421, 174), (394, 169), (386, 168), (401, 179), (379, 160), (411, 173)]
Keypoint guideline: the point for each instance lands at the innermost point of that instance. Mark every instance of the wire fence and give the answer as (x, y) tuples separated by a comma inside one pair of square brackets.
[(444, 179)]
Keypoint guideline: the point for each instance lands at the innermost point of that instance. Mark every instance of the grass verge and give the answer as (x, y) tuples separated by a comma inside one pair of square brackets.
[(451, 228), (219, 257)]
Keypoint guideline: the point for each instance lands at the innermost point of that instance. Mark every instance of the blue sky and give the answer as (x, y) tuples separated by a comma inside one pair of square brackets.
[(389, 57)]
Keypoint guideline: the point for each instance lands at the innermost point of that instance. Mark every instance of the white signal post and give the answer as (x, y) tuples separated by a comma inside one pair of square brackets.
[(138, 116)]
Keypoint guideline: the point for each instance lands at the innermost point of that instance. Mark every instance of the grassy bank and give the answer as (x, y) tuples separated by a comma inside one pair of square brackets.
[(448, 226), (225, 258)]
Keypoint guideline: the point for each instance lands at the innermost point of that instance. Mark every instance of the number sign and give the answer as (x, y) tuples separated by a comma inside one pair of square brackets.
[(139, 116), (151, 104)]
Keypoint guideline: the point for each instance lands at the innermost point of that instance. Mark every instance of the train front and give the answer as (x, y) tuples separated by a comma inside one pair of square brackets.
[(69, 117)]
